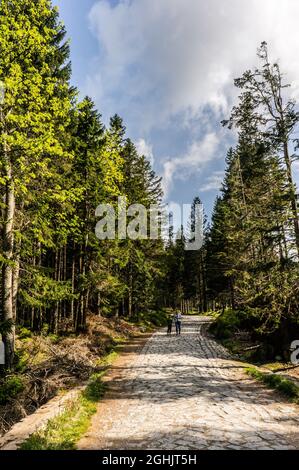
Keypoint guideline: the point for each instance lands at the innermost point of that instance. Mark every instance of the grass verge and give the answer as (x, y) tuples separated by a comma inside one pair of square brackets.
[(64, 431), (277, 382)]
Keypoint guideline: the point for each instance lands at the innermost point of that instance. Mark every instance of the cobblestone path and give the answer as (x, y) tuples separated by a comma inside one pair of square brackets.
[(187, 393)]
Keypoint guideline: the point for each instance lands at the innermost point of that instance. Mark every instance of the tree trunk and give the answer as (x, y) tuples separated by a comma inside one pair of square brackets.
[(73, 284), (65, 277), (56, 310), (130, 295), (8, 267), (15, 286)]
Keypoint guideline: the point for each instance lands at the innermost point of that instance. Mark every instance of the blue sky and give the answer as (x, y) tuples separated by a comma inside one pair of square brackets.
[(167, 67)]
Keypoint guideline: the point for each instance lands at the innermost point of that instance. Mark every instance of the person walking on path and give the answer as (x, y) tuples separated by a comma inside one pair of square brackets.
[(178, 322), (169, 324)]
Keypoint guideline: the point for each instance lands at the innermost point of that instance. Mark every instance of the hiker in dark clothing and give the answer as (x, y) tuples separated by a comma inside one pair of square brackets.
[(169, 325)]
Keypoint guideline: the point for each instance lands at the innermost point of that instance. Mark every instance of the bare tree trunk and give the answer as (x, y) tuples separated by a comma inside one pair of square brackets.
[(130, 294), (15, 285), (8, 267), (56, 311), (32, 312), (40, 310), (65, 277), (79, 301), (83, 293), (60, 278), (86, 306), (204, 283), (130, 300), (73, 284), (16, 274)]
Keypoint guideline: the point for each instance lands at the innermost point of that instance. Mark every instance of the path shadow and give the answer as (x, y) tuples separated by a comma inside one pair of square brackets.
[(197, 438), (174, 386)]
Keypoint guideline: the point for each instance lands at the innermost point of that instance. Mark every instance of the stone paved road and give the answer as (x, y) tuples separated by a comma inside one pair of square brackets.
[(187, 393)]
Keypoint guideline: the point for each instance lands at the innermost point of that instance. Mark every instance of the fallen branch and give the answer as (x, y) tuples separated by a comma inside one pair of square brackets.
[(250, 348)]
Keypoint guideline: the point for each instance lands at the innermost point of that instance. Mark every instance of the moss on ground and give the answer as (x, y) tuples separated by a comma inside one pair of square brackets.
[(277, 382), (10, 387)]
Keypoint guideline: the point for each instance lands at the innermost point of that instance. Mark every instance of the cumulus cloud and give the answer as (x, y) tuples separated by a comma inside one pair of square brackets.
[(165, 60), (213, 182), (171, 56), (197, 156), (146, 149)]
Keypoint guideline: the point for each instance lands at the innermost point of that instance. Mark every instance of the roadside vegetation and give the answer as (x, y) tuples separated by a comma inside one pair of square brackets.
[(64, 431), (287, 387), (48, 365), (234, 330)]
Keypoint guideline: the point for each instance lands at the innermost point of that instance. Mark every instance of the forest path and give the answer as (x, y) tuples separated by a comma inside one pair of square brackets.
[(187, 393)]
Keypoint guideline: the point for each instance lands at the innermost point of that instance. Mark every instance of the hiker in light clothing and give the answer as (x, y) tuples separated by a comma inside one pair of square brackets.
[(178, 322)]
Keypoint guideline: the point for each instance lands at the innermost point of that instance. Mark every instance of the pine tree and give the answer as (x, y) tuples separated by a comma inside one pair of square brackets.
[(194, 265), (249, 248), (276, 116), (142, 186)]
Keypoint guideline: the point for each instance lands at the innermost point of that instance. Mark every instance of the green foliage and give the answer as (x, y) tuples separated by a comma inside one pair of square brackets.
[(251, 246), (63, 432), (42, 291), (62, 163), (21, 358), (156, 318), (10, 387), (275, 381), (227, 323), (111, 354), (54, 338), (6, 326), (184, 271), (96, 388), (24, 333)]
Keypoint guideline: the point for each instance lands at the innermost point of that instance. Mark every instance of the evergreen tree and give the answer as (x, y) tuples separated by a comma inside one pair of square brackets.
[(275, 115), (36, 108)]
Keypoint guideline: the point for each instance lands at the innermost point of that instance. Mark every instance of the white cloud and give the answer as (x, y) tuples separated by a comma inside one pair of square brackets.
[(165, 61), (146, 149), (159, 58), (213, 182), (198, 155)]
